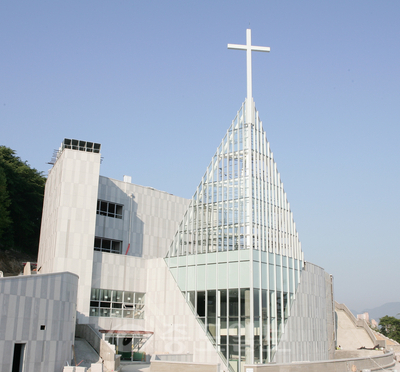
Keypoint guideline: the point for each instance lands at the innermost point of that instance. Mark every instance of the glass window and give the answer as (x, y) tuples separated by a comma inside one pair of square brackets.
[(278, 306), (94, 311), (109, 209), (201, 304), (233, 302), (128, 297), (256, 344), (264, 304), (212, 327), (128, 313), (117, 296), (103, 208), (107, 245), (106, 303), (105, 295), (211, 304), (118, 211), (139, 298), (223, 303), (285, 306), (272, 304), (233, 330), (116, 313), (95, 295), (191, 298), (256, 303), (97, 244), (115, 246), (223, 350)]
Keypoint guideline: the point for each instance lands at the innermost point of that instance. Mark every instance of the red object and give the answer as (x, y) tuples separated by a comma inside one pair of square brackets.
[(127, 249)]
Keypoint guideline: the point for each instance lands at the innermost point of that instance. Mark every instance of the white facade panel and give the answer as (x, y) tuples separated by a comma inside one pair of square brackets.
[(38, 312), (68, 221)]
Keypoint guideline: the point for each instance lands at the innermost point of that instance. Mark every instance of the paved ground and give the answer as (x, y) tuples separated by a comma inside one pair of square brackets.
[(145, 367), (394, 368), (135, 367)]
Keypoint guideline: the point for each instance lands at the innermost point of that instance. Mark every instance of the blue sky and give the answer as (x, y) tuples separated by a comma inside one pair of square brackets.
[(154, 83)]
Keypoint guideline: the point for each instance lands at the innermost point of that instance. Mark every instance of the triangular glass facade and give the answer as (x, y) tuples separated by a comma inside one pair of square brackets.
[(236, 255)]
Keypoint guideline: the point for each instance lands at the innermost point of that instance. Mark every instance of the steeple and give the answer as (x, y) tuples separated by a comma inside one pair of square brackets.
[(249, 48)]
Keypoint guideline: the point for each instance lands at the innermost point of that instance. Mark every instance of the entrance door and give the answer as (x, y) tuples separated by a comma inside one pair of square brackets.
[(18, 358)]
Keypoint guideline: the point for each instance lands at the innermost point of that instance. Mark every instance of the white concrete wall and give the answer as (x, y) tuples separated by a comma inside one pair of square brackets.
[(150, 220), (308, 331), (150, 217), (27, 303), (69, 217), (118, 272), (176, 330)]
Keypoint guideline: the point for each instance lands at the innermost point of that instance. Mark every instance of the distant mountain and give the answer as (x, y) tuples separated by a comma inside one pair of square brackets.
[(391, 309)]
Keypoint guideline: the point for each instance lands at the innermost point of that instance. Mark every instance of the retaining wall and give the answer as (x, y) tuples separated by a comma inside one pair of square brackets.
[(338, 365), (165, 366)]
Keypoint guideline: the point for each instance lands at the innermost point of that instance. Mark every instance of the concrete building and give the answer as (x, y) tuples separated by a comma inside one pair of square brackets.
[(221, 277), (37, 322)]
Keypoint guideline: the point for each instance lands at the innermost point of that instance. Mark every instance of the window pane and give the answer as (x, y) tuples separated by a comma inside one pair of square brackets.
[(94, 312), (111, 209), (191, 297), (117, 296), (139, 298), (128, 313), (116, 313), (116, 247), (105, 245), (95, 295), (128, 297), (105, 295), (118, 211), (256, 303), (201, 303), (103, 208), (223, 303), (97, 244), (211, 304), (233, 338), (233, 302)]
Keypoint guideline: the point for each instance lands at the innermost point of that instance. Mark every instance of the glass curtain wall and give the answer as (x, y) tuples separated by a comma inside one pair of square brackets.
[(236, 255)]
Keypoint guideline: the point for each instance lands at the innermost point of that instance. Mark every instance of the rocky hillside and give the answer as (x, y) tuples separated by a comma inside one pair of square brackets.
[(12, 262)]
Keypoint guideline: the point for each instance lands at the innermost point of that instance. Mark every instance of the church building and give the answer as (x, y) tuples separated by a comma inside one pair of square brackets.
[(221, 277)]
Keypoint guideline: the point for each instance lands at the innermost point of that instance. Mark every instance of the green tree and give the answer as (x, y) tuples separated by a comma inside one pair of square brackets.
[(5, 220), (21, 199), (389, 326)]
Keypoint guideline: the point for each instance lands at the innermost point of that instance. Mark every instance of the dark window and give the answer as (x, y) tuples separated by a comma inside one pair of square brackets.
[(107, 245), (105, 208), (18, 358)]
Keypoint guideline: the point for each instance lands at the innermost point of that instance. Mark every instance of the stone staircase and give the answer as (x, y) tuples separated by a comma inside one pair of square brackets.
[(349, 335)]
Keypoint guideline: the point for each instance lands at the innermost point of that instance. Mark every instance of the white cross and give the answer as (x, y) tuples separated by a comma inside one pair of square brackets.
[(249, 48)]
